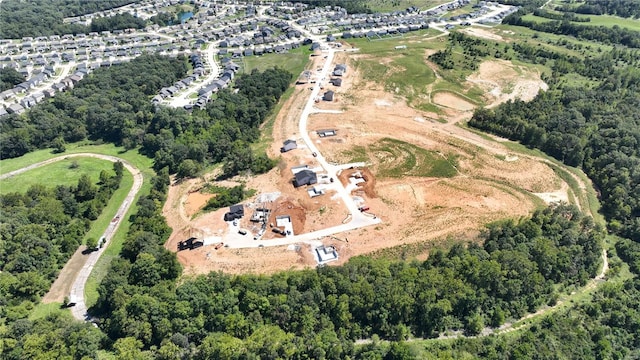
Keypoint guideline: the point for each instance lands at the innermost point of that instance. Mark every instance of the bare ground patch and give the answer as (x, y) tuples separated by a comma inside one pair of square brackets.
[(491, 182), (61, 287), (450, 100), (503, 81)]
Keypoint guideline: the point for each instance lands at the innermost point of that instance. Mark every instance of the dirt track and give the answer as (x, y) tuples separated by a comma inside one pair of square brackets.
[(74, 275)]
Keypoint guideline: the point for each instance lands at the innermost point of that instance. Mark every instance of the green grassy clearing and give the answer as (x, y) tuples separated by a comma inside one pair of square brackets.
[(563, 44), (356, 154), (112, 251), (420, 39), (99, 225), (406, 73), (596, 20), (63, 172), (140, 161), (294, 61)]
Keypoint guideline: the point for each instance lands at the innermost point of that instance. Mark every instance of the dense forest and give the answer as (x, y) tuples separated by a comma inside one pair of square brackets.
[(40, 230), (606, 327), (319, 313), (117, 22), (44, 17), (465, 288), (9, 78)]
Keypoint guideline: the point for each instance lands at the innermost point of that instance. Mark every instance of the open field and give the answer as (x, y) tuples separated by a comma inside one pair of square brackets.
[(596, 20), (65, 172), (294, 61), (140, 161)]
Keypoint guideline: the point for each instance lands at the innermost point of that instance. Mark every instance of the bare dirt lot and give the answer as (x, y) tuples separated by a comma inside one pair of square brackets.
[(503, 81), (489, 183), (62, 286)]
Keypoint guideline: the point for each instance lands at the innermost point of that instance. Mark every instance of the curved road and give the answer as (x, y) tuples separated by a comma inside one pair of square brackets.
[(79, 311)]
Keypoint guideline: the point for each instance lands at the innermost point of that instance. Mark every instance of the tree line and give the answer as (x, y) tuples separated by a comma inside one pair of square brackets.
[(597, 129), (9, 78), (622, 8), (45, 17), (568, 16), (605, 327), (604, 34), (39, 231), (521, 266), (116, 22)]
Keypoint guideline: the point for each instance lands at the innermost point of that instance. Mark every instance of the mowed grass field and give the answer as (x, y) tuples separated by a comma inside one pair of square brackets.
[(596, 20), (136, 159), (64, 172), (294, 61)]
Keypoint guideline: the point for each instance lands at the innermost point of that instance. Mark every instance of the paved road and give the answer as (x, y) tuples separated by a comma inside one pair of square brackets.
[(356, 218), (214, 72), (79, 311), (65, 69)]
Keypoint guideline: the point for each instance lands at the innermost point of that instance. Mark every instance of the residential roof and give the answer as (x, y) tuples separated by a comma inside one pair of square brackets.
[(305, 177)]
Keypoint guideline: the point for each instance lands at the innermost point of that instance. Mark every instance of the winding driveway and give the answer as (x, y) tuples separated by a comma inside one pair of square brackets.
[(79, 311)]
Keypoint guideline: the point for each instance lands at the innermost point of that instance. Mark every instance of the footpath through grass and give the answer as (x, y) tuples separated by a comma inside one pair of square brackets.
[(65, 172), (136, 159)]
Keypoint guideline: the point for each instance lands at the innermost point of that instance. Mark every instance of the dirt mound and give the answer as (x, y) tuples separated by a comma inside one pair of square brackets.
[(505, 81), (482, 33), (296, 212), (368, 187)]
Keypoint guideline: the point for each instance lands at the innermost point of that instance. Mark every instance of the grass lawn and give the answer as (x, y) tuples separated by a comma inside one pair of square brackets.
[(140, 161), (294, 61), (551, 41), (402, 71), (99, 225), (64, 172), (42, 310), (596, 20), (610, 21)]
